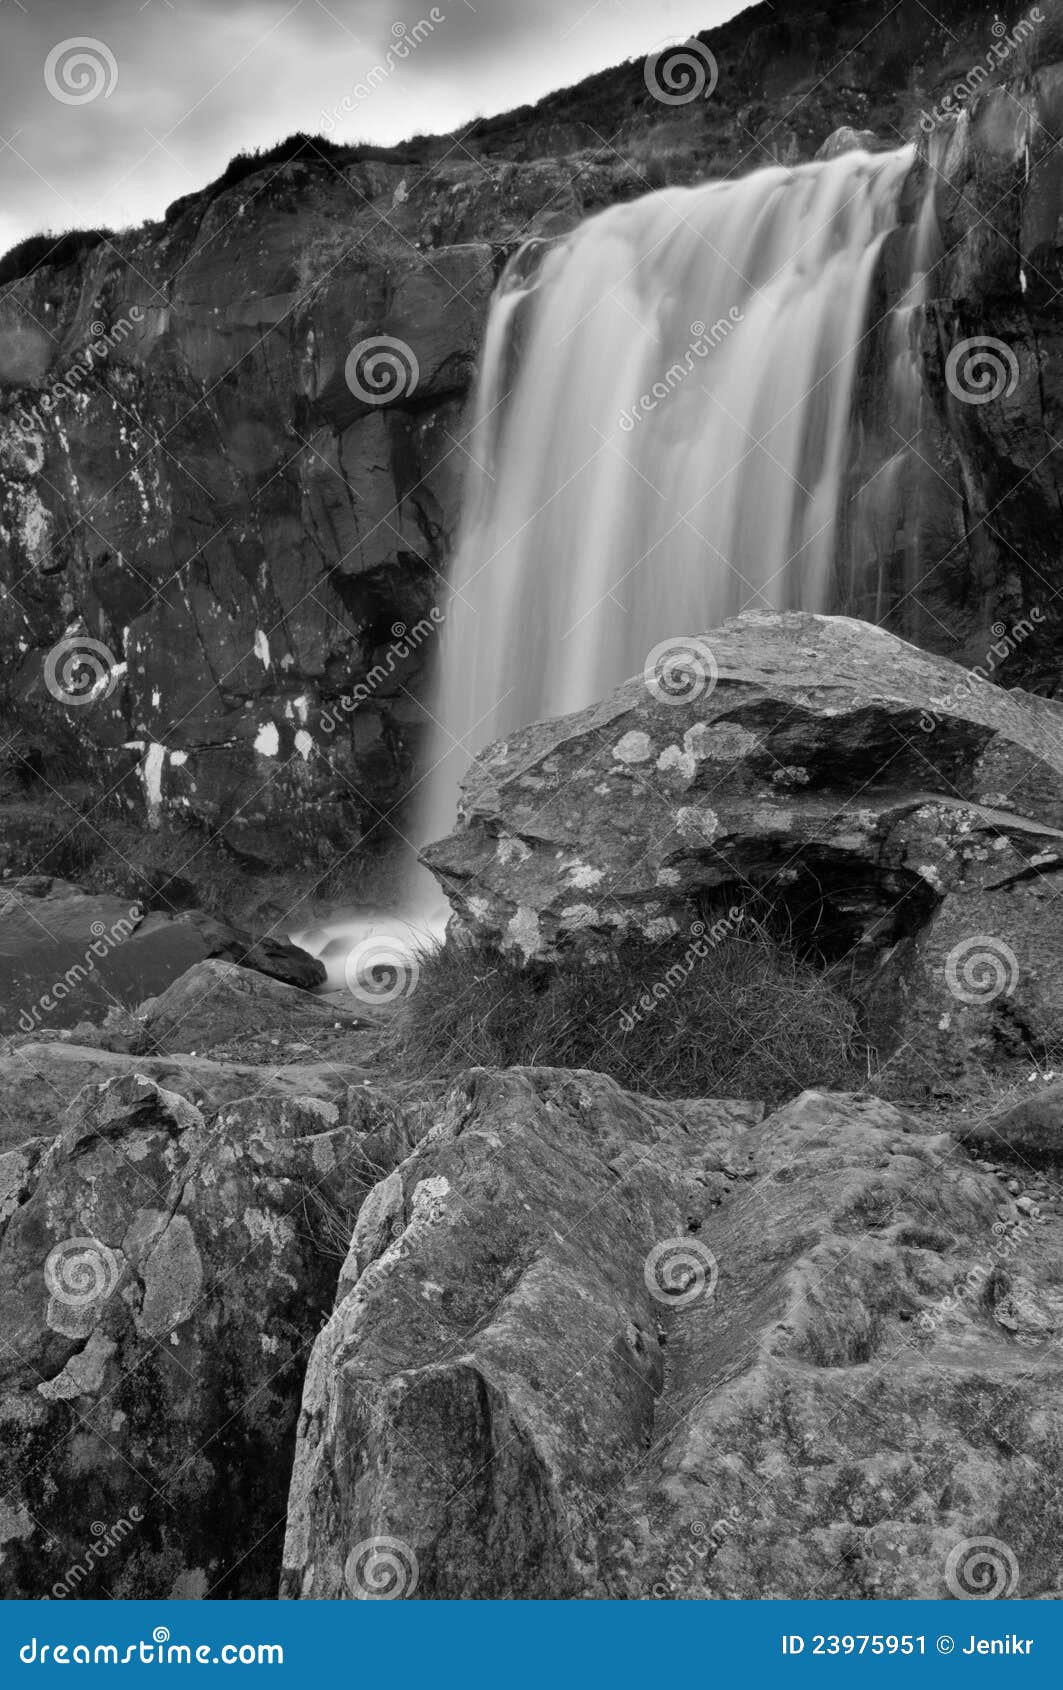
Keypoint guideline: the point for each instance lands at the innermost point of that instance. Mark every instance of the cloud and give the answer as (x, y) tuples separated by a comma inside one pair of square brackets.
[(198, 82)]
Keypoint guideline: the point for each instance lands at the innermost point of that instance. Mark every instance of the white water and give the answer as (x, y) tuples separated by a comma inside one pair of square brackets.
[(660, 439), (660, 434)]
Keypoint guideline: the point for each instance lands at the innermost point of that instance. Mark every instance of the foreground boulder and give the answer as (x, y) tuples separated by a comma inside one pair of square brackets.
[(589, 1345), (907, 817), (162, 1275)]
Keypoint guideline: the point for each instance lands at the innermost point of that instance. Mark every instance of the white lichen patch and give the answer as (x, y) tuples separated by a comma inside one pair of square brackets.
[(791, 775), (724, 742), (698, 826), (511, 851), (668, 877), (303, 744), (83, 1374), (267, 740), (661, 927), (522, 932), (931, 875), (577, 916), (582, 877), (770, 820), (262, 648), (681, 763), (633, 748)]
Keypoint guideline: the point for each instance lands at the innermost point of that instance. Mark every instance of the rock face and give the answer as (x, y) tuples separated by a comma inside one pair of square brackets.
[(908, 819), (162, 1279), (585, 1345), (191, 477)]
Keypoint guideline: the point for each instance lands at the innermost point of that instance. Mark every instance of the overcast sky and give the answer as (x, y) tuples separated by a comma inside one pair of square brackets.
[(191, 82)]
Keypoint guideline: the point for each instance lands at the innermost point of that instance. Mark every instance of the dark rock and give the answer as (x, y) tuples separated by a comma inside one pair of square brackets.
[(1031, 1129), (68, 956), (216, 1003)]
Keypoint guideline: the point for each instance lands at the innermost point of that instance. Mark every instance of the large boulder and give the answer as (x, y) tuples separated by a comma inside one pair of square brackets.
[(906, 817), (494, 1358), (162, 1274), (589, 1345)]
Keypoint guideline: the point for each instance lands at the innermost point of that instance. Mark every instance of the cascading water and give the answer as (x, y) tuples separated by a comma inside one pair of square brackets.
[(660, 438)]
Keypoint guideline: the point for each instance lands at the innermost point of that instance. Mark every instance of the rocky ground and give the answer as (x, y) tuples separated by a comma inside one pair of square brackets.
[(285, 1312)]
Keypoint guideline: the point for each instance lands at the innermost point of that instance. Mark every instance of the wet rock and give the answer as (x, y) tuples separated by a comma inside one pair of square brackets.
[(162, 1277), (216, 1003)]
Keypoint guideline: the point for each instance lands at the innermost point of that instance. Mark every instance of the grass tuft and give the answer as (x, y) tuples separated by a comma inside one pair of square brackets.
[(751, 1019)]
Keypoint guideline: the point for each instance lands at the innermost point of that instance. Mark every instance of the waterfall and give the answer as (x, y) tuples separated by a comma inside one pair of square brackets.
[(659, 440)]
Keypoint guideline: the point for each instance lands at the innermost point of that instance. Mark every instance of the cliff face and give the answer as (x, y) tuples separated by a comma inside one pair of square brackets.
[(195, 475)]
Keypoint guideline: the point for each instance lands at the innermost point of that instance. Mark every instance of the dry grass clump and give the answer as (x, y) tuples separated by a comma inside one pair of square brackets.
[(750, 1019)]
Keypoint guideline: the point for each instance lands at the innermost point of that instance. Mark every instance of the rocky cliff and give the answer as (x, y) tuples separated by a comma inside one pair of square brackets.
[(197, 473)]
